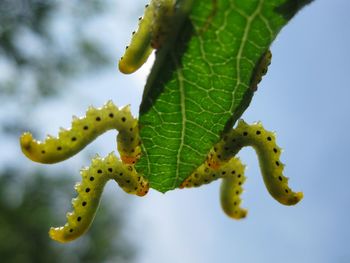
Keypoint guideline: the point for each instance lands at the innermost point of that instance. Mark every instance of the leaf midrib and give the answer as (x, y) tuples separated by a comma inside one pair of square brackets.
[(183, 119), (250, 19)]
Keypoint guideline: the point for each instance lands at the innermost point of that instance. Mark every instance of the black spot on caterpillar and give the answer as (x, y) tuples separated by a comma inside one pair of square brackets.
[(153, 30)]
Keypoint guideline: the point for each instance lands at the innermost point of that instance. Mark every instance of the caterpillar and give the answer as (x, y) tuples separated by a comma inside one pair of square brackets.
[(90, 190), (221, 163), (260, 69), (268, 152), (153, 30), (232, 175), (83, 131)]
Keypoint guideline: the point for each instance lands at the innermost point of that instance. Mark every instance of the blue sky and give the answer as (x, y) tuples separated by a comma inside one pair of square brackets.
[(304, 98)]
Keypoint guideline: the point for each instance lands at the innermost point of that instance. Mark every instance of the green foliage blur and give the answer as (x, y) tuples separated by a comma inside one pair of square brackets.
[(30, 206), (43, 45), (35, 40)]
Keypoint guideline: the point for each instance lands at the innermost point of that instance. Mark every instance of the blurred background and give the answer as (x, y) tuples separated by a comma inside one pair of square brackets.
[(57, 57)]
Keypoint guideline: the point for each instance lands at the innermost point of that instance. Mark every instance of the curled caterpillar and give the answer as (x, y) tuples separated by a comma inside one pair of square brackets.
[(222, 164), (153, 30), (85, 130), (268, 152), (232, 175), (90, 190)]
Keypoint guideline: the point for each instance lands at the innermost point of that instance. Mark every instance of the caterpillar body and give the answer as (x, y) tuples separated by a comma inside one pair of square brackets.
[(84, 131), (268, 153), (153, 30), (221, 163), (232, 175), (90, 190)]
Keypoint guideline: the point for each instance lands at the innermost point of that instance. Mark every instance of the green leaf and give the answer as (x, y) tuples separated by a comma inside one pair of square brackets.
[(200, 83)]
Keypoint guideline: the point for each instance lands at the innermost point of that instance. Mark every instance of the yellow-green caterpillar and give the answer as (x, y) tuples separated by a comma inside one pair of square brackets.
[(221, 163), (268, 152), (85, 130), (153, 29), (90, 190), (69, 142), (232, 175)]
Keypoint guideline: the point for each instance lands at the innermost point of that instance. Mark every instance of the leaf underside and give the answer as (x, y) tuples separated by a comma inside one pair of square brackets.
[(200, 86)]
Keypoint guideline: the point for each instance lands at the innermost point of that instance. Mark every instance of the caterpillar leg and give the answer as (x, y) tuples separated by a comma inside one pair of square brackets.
[(83, 131), (90, 190), (269, 158), (232, 174)]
